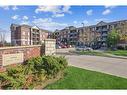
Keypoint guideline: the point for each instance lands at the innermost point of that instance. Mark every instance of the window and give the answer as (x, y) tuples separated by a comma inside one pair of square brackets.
[(23, 42), (26, 42), (23, 33)]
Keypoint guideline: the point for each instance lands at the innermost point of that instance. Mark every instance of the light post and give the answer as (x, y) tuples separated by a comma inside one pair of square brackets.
[(83, 34)]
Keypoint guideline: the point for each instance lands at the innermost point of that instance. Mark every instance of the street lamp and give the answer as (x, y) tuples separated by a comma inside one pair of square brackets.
[(82, 24), (83, 34)]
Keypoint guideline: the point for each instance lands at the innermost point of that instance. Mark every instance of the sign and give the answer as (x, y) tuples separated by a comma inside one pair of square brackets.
[(8, 59)]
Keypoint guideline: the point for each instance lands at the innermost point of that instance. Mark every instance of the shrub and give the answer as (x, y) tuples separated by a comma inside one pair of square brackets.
[(50, 65), (38, 64), (11, 82), (12, 71), (29, 66), (62, 62), (126, 47), (35, 70), (120, 47)]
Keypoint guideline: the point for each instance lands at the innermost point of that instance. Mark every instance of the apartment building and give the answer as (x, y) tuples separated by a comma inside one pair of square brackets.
[(27, 35), (91, 35), (67, 35), (75, 36), (105, 27), (86, 36)]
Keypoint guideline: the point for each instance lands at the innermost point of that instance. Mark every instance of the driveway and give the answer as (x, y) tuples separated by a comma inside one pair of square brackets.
[(113, 66)]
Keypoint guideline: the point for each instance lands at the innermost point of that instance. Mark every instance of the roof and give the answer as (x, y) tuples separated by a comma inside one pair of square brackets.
[(15, 25), (101, 23), (114, 22), (35, 27)]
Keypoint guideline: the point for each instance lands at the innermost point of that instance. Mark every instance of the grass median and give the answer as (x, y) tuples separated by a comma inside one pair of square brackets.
[(77, 78), (118, 52), (107, 53)]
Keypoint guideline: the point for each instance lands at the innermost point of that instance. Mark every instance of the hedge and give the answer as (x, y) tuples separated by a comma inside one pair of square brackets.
[(34, 71)]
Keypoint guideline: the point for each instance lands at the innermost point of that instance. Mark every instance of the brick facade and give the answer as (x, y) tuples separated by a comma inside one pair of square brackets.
[(22, 35), (28, 51), (93, 35)]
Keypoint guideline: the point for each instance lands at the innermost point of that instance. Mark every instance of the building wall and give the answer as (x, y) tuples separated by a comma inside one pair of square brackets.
[(26, 35), (43, 36), (98, 32)]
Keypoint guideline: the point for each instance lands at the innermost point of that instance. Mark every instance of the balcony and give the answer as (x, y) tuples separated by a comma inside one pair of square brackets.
[(104, 34), (104, 39), (104, 29)]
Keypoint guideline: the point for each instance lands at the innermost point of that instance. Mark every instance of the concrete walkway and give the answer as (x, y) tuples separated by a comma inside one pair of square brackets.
[(113, 66)]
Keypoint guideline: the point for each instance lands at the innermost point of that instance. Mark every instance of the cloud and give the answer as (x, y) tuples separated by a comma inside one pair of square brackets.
[(75, 22), (106, 12), (25, 22), (9, 7), (5, 7), (85, 22), (66, 9), (57, 11), (15, 17), (100, 19), (58, 15), (89, 12), (14, 8), (34, 16), (48, 23), (53, 9), (110, 7), (25, 18)]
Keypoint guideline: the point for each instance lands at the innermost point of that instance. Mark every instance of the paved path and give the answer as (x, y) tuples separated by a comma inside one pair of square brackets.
[(113, 66)]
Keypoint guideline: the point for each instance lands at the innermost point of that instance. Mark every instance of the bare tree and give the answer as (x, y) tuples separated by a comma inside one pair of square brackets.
[(2, 36)]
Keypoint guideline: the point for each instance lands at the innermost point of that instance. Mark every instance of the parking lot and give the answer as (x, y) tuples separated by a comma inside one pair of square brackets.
[(113, 66)]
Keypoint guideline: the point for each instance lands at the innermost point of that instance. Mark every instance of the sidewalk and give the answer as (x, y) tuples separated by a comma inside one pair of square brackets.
[(115, 56)]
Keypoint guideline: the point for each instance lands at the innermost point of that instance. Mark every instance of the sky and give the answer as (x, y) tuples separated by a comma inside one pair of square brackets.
[(58, 17)]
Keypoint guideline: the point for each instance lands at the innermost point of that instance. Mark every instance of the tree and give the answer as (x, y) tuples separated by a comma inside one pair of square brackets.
[(112, 39), (123, 33)]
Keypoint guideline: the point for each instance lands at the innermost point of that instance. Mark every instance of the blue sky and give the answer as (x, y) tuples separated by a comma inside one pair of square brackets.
[(58, 17)]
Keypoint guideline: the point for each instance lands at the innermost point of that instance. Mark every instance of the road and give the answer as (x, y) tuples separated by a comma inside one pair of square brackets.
[(113, 66)]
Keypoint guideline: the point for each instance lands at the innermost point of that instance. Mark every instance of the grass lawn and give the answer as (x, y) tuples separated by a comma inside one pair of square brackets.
[(76, 78), (105, 53), (118, 52), (92, 53)]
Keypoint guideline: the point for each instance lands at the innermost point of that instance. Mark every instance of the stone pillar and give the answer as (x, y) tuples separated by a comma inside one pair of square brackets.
[(50, 46)]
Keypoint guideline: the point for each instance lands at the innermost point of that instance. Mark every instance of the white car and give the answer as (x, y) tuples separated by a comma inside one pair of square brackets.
[(88, 49), (81, 48)]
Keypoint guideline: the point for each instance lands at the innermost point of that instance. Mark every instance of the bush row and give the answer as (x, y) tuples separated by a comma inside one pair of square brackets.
[(33, 72), (122, 47)]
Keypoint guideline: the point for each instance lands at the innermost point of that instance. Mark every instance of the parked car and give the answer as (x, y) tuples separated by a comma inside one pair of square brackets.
[(68, 46), (58, 46), (63, 46), (83, 48)]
